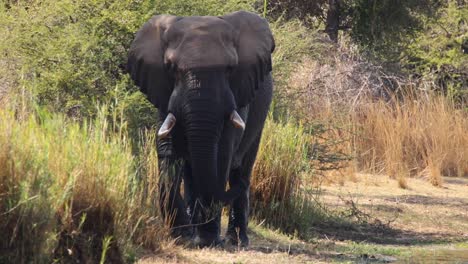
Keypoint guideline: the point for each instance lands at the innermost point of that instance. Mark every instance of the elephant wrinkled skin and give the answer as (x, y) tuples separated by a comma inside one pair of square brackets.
[(210, 78)]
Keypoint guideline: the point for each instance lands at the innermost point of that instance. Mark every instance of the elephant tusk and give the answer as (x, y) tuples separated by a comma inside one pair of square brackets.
[(237, 120), (167, 126)]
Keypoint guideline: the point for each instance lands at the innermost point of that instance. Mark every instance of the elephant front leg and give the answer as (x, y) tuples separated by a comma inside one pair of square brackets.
[(203, 218), (239, 212), (172, 205), (208, 229)]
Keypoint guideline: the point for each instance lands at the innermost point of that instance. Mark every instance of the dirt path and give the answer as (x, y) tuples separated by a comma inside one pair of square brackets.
[(422, 224)]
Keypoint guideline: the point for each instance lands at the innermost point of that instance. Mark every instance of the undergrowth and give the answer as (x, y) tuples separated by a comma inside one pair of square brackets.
[(71, 192)]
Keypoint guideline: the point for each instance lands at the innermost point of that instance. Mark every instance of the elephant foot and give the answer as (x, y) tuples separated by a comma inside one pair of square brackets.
[(202, 242), (182, 235), (235, 239)]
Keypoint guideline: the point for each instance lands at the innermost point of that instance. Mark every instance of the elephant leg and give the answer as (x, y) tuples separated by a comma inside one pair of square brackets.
[(208, 230), (189, 196), (202, 215), (239, 211), (171, 203)]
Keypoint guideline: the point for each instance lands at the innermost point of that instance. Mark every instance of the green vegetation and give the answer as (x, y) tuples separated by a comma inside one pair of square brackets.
[(440, 51), (276, 184), (69, 188), (422, 39), (71, 54)]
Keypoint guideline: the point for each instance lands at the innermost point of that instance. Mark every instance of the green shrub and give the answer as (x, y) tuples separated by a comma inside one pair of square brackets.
[(294, 43), (71, 54), (438, 52)]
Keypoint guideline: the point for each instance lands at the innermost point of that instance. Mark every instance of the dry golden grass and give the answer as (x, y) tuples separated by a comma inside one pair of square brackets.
[(426, 138), (281, 159), (281, 168), (412, 134)]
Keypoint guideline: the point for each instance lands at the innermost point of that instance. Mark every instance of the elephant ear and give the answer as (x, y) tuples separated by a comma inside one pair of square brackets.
[(146, 61), (254, 45)]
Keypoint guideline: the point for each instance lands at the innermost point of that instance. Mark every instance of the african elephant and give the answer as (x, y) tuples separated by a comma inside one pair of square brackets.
[(210, 78)]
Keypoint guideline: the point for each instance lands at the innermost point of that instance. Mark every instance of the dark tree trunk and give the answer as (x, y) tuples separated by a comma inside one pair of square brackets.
[(333, 20)]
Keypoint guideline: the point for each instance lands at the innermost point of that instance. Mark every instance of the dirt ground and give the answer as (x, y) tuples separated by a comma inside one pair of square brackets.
[(420, 213), (421, 224)]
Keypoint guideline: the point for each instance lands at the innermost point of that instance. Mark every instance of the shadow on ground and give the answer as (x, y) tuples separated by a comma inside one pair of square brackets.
[(427, 200), (379, 233), (266, 245), (324, 251)]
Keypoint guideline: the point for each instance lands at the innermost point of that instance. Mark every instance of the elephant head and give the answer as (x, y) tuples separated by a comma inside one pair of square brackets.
[(198, 71)]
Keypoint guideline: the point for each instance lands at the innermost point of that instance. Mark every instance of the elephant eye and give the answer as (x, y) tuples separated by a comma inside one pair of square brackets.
[(171, 68), (229, 70)]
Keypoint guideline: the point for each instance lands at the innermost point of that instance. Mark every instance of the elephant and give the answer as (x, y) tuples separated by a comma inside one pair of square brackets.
[(210, 78)]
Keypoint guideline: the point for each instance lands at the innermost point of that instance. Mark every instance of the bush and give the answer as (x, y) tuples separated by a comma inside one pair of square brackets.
[(277, 176), (305, 10), (438, 53), (295, 44), (389, 123)]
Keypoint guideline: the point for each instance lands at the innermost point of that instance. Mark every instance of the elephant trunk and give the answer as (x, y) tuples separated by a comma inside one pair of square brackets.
[(207, 184), (203, 131)]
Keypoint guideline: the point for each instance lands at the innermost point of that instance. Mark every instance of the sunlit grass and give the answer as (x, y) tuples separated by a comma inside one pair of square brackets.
[(63, 182), (282, 173), (426, 137), (69, 187)]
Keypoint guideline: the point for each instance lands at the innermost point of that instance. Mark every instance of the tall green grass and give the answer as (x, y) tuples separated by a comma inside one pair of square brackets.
[(282, 177), (67, 189)]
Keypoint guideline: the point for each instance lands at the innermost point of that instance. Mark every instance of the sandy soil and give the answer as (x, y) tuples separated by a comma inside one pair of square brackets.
[(421, 212), (393, 225)]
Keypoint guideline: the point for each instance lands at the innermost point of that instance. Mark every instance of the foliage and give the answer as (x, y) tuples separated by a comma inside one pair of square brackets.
[(305, 10), (294, 43), (386, 27), (439, 51), (423, 38), (72, 54)]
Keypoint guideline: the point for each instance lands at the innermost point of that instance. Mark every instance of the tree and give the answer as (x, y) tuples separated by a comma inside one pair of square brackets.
[(333, 19)]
